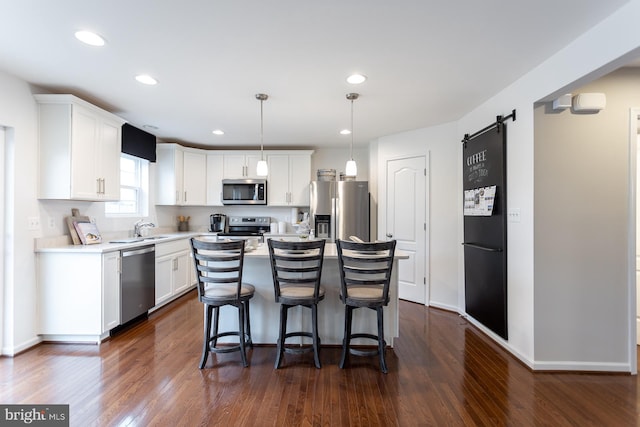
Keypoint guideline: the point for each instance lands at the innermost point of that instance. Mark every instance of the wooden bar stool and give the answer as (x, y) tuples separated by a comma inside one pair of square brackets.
[(219, 267), (296, 268), (365, 273)]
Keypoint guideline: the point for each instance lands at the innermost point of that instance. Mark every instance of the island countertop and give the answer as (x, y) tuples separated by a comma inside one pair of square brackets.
[(265, 312)]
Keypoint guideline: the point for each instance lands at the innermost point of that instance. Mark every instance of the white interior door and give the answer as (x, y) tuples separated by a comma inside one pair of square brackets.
[(407, 223)]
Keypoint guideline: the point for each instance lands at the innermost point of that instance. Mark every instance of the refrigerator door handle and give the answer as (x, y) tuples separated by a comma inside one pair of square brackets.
[(335, 219)]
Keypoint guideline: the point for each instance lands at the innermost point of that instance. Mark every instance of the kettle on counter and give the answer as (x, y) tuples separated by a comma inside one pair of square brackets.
[(218, 223)]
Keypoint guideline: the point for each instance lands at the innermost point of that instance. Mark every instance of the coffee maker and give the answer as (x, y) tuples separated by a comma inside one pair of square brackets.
[(218, 223)]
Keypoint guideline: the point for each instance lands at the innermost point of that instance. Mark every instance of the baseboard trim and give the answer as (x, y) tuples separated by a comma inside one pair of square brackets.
[(14, 351)]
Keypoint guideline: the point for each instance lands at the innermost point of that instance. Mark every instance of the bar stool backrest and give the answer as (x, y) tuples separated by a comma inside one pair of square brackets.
[(365, 272), (218, 264), (296, 263)]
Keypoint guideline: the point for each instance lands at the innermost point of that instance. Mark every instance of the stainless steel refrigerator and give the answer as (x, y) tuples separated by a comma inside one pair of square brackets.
[(339, 209)]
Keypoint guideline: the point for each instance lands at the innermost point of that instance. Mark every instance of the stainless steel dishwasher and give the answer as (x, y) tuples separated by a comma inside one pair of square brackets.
[(137, 282)]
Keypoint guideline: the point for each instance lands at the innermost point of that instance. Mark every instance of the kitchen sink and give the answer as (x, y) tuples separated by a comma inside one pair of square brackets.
[(138, 239)]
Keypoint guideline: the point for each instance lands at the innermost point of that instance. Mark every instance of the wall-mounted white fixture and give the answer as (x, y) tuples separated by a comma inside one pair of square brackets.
[(562, 102), (351, 168), (589, 102), (262, 169)]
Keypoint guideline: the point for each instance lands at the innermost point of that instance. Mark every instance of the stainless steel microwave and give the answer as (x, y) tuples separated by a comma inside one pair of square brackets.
[(244, 191)]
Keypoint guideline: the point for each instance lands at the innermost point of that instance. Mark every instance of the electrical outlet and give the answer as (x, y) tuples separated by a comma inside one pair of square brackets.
[(33, 223), (52, 222)]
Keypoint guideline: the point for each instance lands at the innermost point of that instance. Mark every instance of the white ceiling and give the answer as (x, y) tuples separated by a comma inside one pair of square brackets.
[(428, 62)]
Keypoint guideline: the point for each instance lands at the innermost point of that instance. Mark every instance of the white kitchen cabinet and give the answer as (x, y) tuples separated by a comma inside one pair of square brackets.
[(78, 295), (181, 175), (111, 269), (240, 164), (215, 174), (79, 150), (289, 176), (173, 270)]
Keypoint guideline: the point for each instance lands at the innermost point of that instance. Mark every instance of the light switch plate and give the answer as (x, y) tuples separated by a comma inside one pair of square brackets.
[(514, 215)]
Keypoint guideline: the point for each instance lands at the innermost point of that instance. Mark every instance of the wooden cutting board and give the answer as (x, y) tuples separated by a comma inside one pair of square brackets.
[(75, 216)]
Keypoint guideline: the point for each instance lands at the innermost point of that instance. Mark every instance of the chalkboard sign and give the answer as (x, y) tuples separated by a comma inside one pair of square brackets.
[(485, 227)]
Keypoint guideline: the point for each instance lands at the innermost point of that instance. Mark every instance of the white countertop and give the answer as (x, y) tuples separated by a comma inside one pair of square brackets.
[(110, 247), (261, 252)]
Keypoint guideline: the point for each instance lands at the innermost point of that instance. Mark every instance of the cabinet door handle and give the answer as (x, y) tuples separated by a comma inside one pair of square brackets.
[(97, 185), (175, 264), (185, 197), (177, 197), (104, 186)]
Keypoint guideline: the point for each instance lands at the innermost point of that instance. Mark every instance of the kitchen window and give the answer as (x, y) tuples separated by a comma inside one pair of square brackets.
[(134, 189)]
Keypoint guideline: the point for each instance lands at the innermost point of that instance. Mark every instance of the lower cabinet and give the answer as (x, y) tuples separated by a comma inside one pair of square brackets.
[(79, 292), (78, 295), (174, 274)]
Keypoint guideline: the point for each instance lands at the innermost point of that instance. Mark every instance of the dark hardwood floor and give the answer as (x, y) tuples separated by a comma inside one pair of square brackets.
[(442, 371)]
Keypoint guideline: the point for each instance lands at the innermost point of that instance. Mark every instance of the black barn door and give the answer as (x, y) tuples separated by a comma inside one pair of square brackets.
[(485, 228)]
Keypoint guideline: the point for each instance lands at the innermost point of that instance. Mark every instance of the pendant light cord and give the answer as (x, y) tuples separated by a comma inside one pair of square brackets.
[(261, 132), (351, 129)]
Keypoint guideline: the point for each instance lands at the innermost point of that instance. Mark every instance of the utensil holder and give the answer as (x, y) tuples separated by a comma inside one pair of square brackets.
[(183, 226)]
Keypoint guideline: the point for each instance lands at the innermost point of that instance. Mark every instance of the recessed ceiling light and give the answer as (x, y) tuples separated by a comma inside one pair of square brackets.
[(89, 38), (345, 132), (146, 79), (356, 79), (150, 127), (218, 132)]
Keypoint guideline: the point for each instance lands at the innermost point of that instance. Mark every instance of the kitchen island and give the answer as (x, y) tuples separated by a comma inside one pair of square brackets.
[(79, 292), (265, 312)]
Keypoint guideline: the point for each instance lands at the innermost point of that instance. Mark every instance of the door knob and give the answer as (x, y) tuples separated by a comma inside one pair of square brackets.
[(389, 235)]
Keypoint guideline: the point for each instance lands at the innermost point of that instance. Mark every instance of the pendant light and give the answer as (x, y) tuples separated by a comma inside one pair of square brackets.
[(262, 169), (351, 169)]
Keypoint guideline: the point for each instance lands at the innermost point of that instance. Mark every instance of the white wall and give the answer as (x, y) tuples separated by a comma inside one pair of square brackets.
[(336, 158), (603, 48), (439, 144), (582, 201), (18, 113)]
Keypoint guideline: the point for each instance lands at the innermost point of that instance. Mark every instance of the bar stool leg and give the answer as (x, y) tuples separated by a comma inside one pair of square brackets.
[(241, 320), (207, 335), (346, 341), (316, 338), (247, 323), (216, 318), (283, 332), (381, 342)]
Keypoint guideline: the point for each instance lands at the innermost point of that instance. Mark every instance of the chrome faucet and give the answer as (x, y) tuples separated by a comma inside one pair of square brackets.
[(139, 225)]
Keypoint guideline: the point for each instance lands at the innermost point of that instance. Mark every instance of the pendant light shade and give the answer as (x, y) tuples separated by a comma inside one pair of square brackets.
[(351, 168), (262, 169)]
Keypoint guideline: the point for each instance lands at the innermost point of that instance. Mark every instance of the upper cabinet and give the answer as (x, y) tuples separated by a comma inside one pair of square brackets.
[(240, 164), (289, 176), (79, 150), (181, 175), (215, 174), (189, 176)]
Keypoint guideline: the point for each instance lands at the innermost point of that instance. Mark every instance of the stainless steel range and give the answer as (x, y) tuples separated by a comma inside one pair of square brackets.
[(245, 227)]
